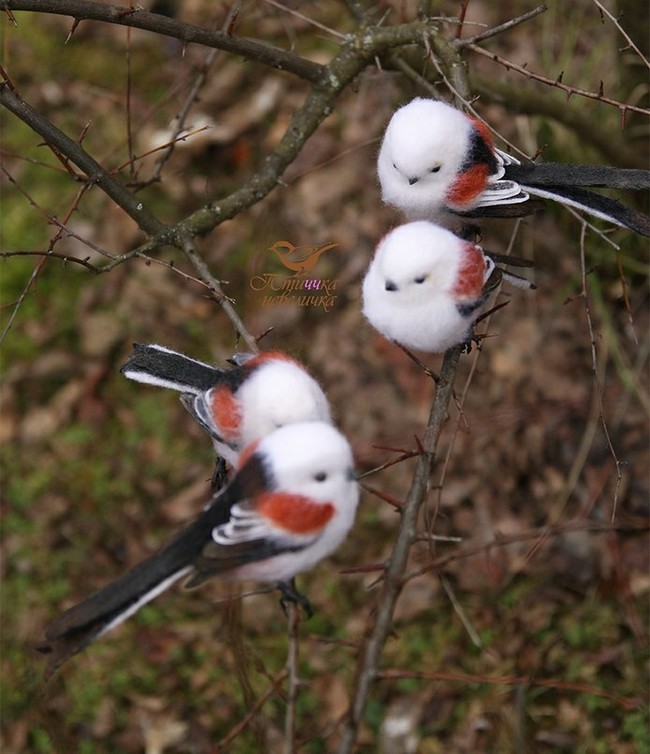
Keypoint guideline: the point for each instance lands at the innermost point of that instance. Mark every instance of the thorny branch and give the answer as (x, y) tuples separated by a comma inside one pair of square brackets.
[(137, 18), (557, 83)]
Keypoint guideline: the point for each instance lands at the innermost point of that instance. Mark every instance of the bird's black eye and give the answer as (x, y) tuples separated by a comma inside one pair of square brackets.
[(435, 169), (420, 279), (320, 477)]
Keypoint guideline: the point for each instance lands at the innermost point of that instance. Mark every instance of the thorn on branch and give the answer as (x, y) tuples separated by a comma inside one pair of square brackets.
[(84, 131), (232, 18), (73, 28), (558, 80), (396, 504)]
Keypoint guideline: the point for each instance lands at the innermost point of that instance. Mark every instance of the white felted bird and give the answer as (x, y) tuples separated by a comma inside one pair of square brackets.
[(436, 162), (291, 504), (239, 405), (425, 286)]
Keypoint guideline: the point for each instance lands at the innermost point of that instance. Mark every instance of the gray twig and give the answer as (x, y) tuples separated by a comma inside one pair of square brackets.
[(459, 43), (396, 568)]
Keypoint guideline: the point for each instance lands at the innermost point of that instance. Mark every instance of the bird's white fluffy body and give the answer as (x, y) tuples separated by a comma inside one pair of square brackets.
[(411, 289), (422, 152), (310, 460)]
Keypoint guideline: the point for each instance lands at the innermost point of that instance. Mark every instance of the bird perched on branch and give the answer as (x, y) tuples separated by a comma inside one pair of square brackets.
[(234, 406), (436, 162), (291, 503), (425, 286)]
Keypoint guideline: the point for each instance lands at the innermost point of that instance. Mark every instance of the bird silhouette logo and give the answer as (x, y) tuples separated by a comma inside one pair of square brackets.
[(299, 259)]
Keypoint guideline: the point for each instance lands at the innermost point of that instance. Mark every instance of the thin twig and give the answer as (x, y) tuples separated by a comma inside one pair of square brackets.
[(627, 37), (245, 721), (191, 98), (460, 43), (518, 97), (462, 553), (293, 622), (570, 90), (594, 361), (189, 249), (52, 220), (551, 683), (458, 609), (51, 254), (95, 173), (302, 17)]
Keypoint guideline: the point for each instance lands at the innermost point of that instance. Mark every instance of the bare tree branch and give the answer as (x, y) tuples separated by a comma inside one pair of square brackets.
[(524, 98), (626, 36), (459, 43), (95, 173), (88, 10), (396, 568), (187, 244), (358, 51)]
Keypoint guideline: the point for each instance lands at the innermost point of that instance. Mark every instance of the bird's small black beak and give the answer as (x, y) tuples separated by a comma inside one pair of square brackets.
[(390, 286), (412, 181)]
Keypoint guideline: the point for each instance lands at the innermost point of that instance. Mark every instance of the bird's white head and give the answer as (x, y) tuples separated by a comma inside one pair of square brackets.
[(280, 392), (413, 263), (315, 460), (423, 150)]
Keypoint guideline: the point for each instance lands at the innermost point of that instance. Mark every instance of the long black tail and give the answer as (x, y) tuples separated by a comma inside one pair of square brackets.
[(79, 626), (562, 174), (597, 205), (581, 199), (157, 365)]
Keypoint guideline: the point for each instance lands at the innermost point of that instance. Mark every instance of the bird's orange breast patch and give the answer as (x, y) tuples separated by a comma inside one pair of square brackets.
[(471, 273), (226, 412), (464, 191), (294, 513)]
